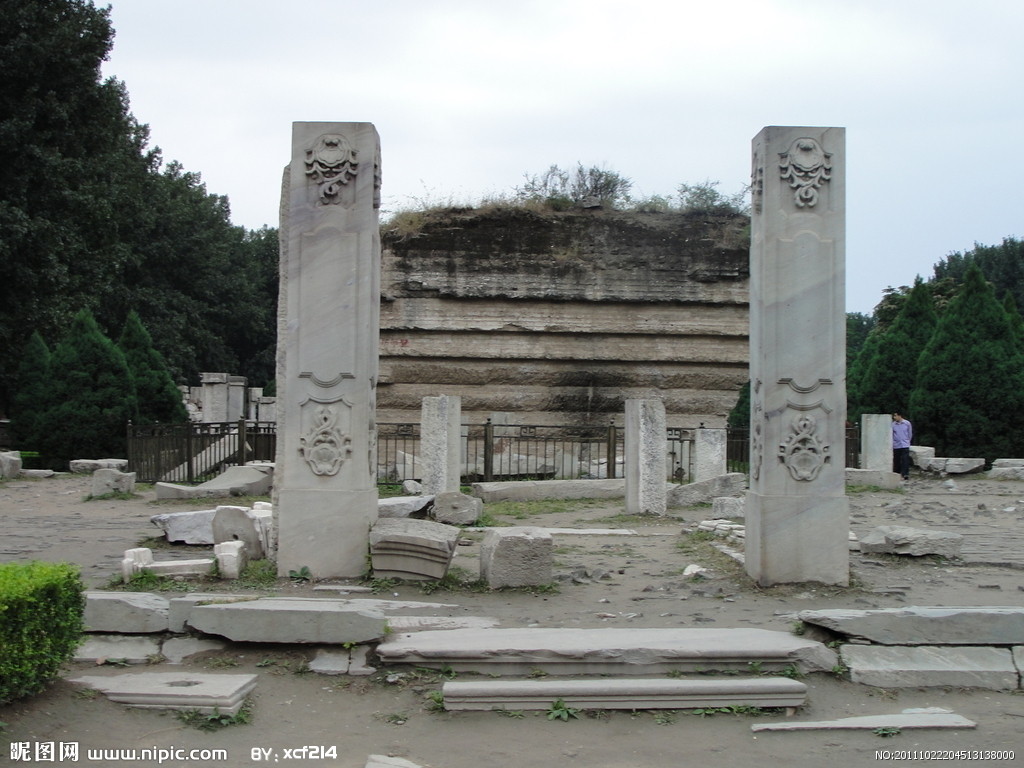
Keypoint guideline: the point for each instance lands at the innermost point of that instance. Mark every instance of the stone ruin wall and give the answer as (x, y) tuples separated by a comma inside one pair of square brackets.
[(558, 318)]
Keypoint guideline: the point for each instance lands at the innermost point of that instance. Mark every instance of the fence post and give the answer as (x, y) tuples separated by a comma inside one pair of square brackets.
[(611, 450), (242, 439), (488, 451), (190, 469)]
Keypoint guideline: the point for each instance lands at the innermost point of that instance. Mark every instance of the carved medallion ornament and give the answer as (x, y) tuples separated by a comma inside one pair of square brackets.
[(324, 447), (330, 163), (803, 453), (805, 167)]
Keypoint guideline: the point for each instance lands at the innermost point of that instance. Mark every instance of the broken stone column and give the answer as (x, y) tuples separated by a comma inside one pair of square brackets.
[(106, 481), (646, 452), (214, 397), (328, 328), (709, 456), (797, 513), (876, 442), (440, 444)]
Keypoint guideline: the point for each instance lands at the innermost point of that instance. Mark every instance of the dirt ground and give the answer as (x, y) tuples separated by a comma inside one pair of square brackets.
[(51, 520)]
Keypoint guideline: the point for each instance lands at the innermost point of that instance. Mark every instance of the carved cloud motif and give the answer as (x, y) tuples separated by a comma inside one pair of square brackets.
[(330, 163), (324, 447), (803, 453), (805, 166)]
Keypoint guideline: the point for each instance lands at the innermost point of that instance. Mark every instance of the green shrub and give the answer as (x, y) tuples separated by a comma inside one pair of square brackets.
[(41, 607)]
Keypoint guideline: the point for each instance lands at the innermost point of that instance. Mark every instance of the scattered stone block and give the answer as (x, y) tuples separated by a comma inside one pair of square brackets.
[(609, 651), (516, 557), (405, 506), (130, 649), (727, 508), (903, 540), (922, 666), (206, 693), (411, 549), (534, 490), (619, 693), (457, 508), (141, 559), (286, 620), (921, 456), (181, 607), (964, 466), (916, 625), (1004, 463), (412, 488), (1006, 472), (194, 527), (239, 524), (10, 465), (330, 661), (176, 649), (705, 491), (106, 481), (231, 557), (88, 466), (907, 720), (250, 480), (125, 612), (359, 664)]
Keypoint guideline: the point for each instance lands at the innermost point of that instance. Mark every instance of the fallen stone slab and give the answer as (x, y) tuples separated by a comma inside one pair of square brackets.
[(920, 625), (619, 693), (283, 620), (705, 491), (728, 507), (964, 466), (454, 508), (518, 556), (412, 549), (347, 661), (906, 720), (176, 649), (534, 490), (38, 473), (249, 480), (206, 693), (88, 466), (129, 649), (105, 481), (405, 506), (125, 612), (192, 527), (923, 666), (612, 651), (876, 477), (422, 623), (181, 607), (1006, 473), (904, 540)]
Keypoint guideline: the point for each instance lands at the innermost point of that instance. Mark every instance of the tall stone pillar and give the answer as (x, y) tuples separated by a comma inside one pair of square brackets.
[(646, 451), (214, 396), (328, 328), (797, 513), (876, 441), (441, 444)]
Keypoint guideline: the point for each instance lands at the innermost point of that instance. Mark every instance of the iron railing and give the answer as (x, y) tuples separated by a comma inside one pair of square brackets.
[(195, 452)]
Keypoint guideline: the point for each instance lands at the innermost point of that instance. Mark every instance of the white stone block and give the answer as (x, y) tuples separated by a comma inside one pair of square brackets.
[(516, 557), (106, 481), (10, 465), (206, 693), (290, 621), (456, 508), (727, 507), (193, 527), (125, 612), (232, 557), (921, 666), (131, 649), (904, 540)]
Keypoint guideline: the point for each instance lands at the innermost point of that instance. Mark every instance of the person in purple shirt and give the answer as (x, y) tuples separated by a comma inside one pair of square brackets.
[(902, 434)]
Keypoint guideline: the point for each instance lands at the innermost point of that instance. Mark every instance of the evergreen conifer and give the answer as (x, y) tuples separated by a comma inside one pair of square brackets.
[(32, 382), (159, 400), (969, 397)]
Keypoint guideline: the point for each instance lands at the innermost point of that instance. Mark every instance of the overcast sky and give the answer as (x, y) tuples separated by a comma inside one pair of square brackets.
[(470, 95)]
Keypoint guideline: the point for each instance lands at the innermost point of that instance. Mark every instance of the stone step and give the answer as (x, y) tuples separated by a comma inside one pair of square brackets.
[(283, 620), (923, 625), (922, 666), (206, 693), (908, 719), (607, 651), (624, 693)]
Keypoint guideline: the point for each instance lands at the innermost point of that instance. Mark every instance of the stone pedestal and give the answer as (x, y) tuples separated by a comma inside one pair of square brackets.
[(709, 453), (646, 452), (328, 327), (440, 444), (797, 514), (876, 441)]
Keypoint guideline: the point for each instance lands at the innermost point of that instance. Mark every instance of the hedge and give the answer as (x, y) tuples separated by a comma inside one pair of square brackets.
[(41, 606)]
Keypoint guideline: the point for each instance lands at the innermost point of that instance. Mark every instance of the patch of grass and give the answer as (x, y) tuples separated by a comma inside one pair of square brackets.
[(258, 574), (886, 732), (155, 542), (665, 717), (113, 495), (636, 520), (735, 710), (216, 720), (435, 701), (522, 510), (383, 584), (856, 488), (147, 581), (220, 662), (514, 713)]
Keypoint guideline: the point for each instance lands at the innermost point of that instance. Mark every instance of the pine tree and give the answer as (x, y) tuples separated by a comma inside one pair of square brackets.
[(32, 382), (891, 374), (90, 399), (158, 398), (969, 397)]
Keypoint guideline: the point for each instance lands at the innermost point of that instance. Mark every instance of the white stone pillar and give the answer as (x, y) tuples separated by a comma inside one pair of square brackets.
[(646, 449), (440, 444), (876, 441), (215, 397), (236, 397), (797, 514), (709, 457), (328, 329)]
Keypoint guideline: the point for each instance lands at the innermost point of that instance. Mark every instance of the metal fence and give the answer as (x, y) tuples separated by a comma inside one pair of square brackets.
[(189, 453)]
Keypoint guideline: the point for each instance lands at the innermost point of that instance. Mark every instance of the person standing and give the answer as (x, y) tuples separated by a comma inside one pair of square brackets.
[(902, 434)]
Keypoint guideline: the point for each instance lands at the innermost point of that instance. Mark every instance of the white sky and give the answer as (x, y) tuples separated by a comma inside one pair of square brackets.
[(470, 95)]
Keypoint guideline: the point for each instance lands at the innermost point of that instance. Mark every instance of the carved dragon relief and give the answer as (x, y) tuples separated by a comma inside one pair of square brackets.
[(805, 166), (330, 164)]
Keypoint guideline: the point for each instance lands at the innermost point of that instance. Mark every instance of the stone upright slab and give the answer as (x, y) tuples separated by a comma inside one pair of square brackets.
[(797, 512), (876, 441), (440, 443), (646, 452), (328, 327), (709, 454)]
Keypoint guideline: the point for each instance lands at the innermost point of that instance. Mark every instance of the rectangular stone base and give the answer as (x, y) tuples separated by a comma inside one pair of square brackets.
[(793, 539), (326, 531), (206, 693)]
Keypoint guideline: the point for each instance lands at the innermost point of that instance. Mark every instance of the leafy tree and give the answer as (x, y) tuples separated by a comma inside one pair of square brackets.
[(704, 198), (159, 400), (891, 374), (91, 397), (858, 326), (1016, 321), (1002, 265), (969, 397), (32, 383), (739, 416)]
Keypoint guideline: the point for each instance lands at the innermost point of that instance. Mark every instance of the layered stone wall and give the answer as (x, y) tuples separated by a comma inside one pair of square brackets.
[(559, 318)]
